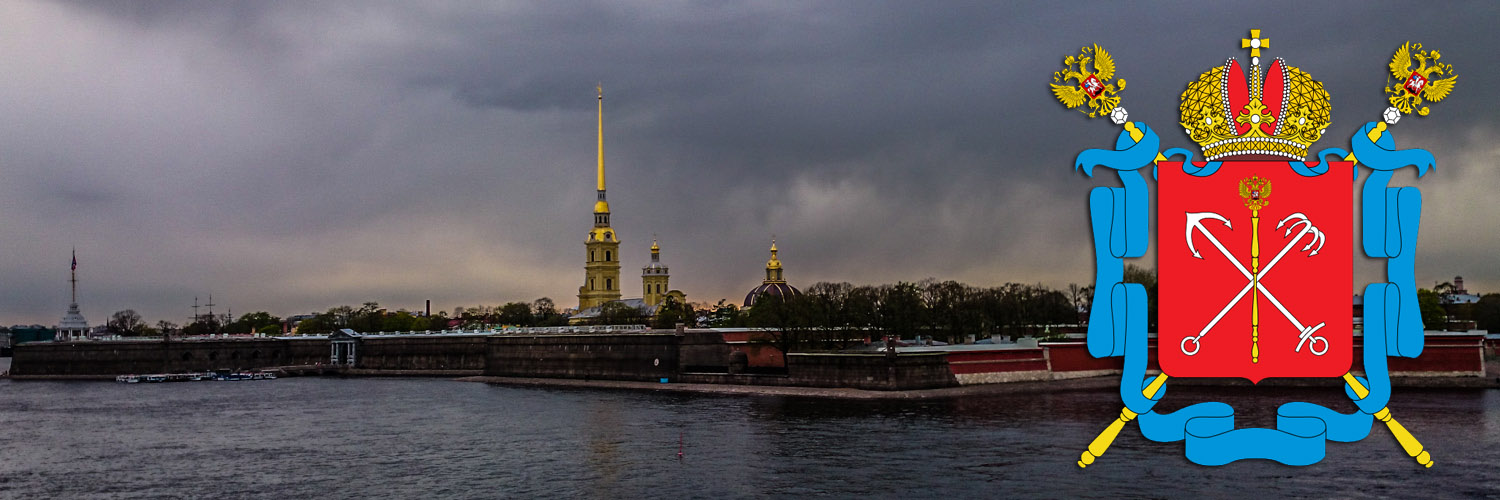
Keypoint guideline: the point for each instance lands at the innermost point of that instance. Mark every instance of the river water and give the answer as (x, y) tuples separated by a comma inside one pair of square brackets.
[(434, 438)]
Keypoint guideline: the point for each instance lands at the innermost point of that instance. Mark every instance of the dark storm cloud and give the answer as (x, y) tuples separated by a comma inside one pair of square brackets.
[(294, 156)]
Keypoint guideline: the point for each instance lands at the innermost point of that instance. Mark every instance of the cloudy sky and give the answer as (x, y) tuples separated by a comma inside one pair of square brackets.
[(293, 156)]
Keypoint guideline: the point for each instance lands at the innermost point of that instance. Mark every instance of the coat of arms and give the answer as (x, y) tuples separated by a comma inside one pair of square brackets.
[(1254, 250)]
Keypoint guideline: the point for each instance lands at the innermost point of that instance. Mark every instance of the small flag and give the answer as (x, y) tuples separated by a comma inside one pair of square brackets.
[(75, 261)]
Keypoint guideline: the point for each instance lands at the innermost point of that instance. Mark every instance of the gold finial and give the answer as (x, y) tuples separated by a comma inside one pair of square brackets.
[(775, 262), (1255, 43)]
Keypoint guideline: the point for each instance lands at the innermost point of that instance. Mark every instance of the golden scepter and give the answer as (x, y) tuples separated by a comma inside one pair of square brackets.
[(1080, 86), (1411, 86), (1255, 192)]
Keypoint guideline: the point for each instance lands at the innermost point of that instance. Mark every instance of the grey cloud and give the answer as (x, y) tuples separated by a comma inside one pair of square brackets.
[(295, 156)]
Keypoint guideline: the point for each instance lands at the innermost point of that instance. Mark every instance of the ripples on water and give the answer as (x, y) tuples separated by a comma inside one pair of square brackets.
[(429, 438)]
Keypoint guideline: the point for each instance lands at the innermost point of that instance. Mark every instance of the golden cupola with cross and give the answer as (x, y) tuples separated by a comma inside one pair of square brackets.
[(602, 269), (775, 284), (1277, 116)]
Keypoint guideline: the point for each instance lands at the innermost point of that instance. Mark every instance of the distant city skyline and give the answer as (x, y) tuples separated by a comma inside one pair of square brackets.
[(291, 157)]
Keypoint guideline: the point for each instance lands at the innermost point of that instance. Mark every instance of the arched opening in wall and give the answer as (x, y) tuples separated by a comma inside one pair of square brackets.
[(213, 355), (255, 355), (234, 355), (609, 283), (607, 256), (186, 356)]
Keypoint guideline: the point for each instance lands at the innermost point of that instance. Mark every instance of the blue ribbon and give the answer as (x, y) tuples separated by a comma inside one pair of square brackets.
[(1389, 220), (1302, 429), (1119, 218)]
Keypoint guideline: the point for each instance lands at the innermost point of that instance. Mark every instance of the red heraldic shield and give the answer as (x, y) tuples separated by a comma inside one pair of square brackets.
[(1255, 271)]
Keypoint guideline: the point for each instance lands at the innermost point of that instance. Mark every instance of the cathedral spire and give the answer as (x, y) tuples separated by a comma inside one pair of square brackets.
[(601, 206), (601, 282)]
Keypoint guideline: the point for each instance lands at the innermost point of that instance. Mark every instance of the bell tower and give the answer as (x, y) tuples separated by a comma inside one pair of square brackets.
[(654, 278), (601, 270)]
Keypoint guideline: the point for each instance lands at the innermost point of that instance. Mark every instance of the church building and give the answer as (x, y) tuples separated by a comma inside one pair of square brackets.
[(654, 281), (601, 270)]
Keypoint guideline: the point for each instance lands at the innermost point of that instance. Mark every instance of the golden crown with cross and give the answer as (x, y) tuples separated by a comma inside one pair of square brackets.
[(1275, 116)]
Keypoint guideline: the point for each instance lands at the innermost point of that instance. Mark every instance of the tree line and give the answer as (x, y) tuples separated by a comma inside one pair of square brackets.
[(128, 323), (832, 316), (825, 316)]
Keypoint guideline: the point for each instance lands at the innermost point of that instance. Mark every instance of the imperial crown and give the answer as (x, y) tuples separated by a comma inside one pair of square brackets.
[(1276, 116)]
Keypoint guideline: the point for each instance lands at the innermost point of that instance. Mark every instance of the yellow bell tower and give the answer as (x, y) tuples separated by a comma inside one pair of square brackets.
[(655, 278), (602, 269)]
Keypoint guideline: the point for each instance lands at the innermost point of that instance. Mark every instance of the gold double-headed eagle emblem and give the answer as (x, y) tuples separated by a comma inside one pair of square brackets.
[(1411, 86), (1090, 85)]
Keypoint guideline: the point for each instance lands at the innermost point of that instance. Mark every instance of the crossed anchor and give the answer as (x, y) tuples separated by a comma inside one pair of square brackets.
[(1195, 220)]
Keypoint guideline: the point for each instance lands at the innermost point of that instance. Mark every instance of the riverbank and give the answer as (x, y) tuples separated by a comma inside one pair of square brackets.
[(812, 392), (1089, 383)]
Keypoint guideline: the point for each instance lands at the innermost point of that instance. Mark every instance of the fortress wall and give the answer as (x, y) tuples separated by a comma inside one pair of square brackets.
[(634, 356), (703, 352), (101, 358), (441, 353), (870, 371), (306, 351)]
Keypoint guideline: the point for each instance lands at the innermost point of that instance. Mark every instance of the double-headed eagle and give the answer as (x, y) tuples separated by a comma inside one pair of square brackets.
[(1412, 86), (1090, 87)]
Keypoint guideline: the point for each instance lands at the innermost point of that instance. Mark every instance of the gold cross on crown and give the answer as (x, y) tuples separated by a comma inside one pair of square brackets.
[(1255, 43)]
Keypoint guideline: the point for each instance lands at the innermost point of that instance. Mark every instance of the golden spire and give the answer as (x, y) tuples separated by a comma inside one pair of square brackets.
[(601, 206), (774, 263), (600, 88), (655, 249)]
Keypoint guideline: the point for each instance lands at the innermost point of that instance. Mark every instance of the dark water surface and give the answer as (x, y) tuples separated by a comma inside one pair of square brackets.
[(432, 438)]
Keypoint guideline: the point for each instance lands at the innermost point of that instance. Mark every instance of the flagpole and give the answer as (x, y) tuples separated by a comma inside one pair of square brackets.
[(73, 276)]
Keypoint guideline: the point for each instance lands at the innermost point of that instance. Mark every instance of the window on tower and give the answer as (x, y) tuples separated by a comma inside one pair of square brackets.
[(607, 256), (609, 283)]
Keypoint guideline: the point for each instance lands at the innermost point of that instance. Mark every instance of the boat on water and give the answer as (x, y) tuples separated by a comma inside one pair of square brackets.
[(196, 377)]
